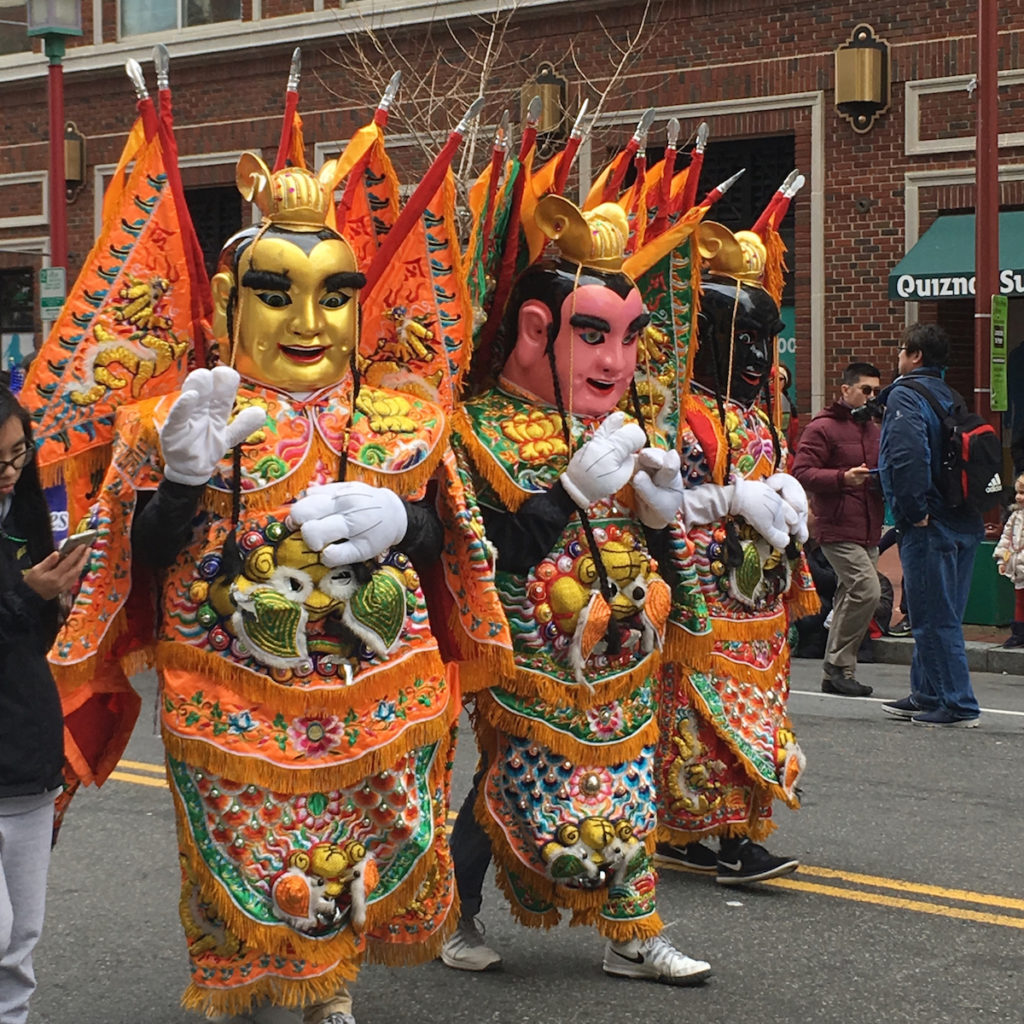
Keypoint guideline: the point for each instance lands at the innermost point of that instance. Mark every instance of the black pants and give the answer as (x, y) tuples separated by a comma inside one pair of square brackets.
[(471, 849)]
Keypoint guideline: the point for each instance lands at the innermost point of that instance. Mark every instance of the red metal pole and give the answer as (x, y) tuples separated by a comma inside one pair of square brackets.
[(57, 194), (986, 220)]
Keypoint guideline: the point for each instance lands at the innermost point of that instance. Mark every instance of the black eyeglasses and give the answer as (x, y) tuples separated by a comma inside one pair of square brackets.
[(867, 389), (20, 461)]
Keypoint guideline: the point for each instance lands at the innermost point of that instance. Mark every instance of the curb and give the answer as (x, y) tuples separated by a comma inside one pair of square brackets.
[(981, 657)]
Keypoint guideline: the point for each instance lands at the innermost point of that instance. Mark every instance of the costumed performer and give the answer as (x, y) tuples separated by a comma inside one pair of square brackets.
[(305, 711), (564, 794), (727, 748)]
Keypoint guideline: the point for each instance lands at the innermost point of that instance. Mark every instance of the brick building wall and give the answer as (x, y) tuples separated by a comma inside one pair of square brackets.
[(759, 68)]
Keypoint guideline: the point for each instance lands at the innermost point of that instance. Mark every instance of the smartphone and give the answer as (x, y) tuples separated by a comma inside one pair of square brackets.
[(77, 540), (872, 471)]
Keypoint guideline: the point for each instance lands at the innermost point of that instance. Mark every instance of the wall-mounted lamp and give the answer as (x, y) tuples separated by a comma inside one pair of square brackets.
[(550, 87), (862, 78), (74, 160)]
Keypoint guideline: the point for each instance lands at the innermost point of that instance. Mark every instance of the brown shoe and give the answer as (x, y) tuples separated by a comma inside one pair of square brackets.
[(841, 683)]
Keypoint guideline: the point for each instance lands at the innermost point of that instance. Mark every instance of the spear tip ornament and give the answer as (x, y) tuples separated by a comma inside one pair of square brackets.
[(533, 111), (133, 69), (643, 126), (703, 131), (470, 115), (295, 70), (673, 131), (577, 127), (162, 62)]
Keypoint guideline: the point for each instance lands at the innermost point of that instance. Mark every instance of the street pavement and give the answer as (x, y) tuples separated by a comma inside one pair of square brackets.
[(908, 907)]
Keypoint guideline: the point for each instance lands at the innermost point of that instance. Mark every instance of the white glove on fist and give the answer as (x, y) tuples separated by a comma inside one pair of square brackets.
[(605, 462), (705, 504), (350, 522), (658, 486), (792, 493), (196, 434), (764, 510)]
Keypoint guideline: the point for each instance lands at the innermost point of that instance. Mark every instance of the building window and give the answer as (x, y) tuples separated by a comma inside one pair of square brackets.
[(13, 38), (216, 212), (141, 16), (17, 316)]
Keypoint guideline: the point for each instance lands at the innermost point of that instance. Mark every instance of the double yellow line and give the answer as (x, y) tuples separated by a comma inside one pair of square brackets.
[(843, 885), (849, 885)]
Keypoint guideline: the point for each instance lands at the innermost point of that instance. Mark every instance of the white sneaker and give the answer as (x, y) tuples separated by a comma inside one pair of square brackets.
[(467, 951), (653, 960)]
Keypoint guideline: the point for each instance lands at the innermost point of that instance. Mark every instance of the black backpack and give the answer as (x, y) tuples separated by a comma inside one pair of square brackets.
[(972, 453)]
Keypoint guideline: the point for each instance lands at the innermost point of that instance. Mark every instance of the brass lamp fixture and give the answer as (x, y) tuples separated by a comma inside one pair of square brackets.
[(74, 160), (550, 87), (862, 78)]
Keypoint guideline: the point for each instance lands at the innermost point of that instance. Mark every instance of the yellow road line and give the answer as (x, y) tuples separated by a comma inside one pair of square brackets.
[(964, 895), (142, 766), (139, 780), (858, 896)]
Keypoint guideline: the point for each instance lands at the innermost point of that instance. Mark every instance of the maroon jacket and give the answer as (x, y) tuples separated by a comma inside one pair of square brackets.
[(830, 444)]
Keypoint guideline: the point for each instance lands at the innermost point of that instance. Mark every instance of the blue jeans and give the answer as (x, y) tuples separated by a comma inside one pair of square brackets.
[(937, 565)]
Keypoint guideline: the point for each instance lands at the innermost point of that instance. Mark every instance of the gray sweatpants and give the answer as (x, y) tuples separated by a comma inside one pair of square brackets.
[(26, 828)]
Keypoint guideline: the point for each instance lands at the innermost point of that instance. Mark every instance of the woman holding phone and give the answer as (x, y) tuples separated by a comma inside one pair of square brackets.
[(32, 578)]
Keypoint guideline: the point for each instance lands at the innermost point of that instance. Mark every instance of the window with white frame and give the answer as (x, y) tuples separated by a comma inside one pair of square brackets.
[(13, 37), (141, 16)]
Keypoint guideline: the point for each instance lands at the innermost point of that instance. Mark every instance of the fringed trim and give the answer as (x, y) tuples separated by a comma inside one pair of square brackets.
[(755, 830), (727, 738), (801, 602), (410, 954), (690, 649), (564, 744), (532, 685), (619, 931), (299, 779), (402, 482), (74, 467), (762, 678), (260, 689), (277, 990), (483, 662), (546, 919), (487, 465), (72, 675)]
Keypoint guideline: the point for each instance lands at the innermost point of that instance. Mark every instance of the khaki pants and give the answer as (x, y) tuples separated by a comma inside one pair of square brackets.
[(855, 602)]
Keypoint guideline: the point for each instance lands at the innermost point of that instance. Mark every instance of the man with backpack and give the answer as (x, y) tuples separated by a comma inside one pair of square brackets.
[(940, 523)]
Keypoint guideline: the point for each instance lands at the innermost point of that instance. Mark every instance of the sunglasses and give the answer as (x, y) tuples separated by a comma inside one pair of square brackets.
[(867, 389)]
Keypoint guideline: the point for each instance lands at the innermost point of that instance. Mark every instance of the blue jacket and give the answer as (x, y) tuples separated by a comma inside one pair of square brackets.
[(910, 451)]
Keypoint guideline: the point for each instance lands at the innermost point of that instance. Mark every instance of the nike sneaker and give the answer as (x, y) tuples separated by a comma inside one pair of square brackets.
[(740, 862), (691, 857), (654, 959)]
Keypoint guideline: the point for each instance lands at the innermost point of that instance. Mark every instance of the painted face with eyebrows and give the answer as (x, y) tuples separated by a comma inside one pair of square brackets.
[(297, 313), (595, 348)]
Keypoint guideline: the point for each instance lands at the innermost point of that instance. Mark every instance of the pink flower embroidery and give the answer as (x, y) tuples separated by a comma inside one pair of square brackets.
[(606, 720), (315, 736)]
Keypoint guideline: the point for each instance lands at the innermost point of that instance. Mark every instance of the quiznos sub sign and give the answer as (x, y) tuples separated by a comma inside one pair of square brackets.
[(949, 286)]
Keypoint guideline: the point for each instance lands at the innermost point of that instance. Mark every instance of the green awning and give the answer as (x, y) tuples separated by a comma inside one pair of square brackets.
[(941, 264)]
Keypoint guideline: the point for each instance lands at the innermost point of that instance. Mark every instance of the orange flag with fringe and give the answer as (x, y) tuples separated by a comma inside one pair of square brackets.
[(124, 333)]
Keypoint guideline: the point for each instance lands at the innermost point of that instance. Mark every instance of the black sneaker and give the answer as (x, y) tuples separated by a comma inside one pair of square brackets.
[(903, 708), (741, 862), (691, 857), (902, 628)]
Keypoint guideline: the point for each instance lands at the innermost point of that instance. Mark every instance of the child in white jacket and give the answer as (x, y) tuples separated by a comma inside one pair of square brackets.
[(1009, 556)]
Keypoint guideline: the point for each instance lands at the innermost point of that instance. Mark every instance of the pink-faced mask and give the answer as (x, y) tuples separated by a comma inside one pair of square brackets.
[(595, 349)]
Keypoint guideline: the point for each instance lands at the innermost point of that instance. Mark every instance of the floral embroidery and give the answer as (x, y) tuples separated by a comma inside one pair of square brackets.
[(315, 736)]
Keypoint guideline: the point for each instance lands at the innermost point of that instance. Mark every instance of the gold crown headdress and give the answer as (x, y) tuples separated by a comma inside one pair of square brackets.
[(292, 197), (741, 255), (595, 239)]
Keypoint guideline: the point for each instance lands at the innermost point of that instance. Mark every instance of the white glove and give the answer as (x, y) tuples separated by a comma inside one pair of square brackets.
[(764, 510), (350, 522), (793, 494), (705, 504), (196, 434), (658, 486), (605, 462)]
